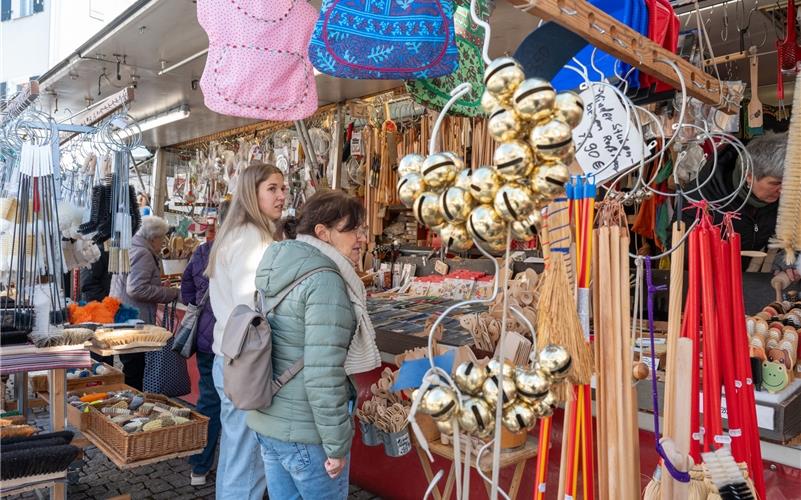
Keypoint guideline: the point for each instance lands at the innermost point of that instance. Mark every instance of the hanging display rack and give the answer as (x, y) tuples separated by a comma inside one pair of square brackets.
[(614, 37)]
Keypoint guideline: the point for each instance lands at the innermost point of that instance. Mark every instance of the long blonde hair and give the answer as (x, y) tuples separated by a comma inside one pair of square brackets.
[(245, 210)]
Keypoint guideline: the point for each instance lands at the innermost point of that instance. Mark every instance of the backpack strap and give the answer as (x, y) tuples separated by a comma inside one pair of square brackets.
[(267, 306), (288, 374)]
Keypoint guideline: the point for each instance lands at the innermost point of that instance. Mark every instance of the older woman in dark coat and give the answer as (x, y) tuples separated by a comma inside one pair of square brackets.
[(142, 288), (194, 289)]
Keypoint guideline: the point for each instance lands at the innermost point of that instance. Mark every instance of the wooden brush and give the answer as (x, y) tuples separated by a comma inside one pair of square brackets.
[(788, 231), (151, 336)]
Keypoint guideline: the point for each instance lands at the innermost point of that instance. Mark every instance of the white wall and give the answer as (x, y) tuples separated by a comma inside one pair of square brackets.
[(29, 46), (73, 22), (24, 47)]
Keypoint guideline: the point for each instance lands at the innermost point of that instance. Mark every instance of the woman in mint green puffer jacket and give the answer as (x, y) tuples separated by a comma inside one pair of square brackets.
[(306, 433)]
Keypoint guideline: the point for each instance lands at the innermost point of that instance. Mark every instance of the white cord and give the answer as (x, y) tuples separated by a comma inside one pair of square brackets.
[(456, 94), (487, 31)]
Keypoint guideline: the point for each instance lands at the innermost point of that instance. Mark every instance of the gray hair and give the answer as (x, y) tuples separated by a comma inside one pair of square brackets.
[(767, 152), (153, 227)]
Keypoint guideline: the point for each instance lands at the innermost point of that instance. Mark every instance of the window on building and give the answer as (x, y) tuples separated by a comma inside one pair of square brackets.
[(5, 10), (25, 8)]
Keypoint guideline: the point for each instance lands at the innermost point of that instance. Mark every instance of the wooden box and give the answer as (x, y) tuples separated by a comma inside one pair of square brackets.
[(40, 383)]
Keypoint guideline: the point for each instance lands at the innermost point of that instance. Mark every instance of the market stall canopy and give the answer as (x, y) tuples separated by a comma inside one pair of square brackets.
[(156, 34)]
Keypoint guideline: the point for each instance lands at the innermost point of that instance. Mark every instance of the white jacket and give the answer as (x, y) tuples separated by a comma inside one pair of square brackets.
[(234, 277)]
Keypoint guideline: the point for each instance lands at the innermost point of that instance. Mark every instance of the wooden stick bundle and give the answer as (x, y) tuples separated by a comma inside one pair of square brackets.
[(619, 473)]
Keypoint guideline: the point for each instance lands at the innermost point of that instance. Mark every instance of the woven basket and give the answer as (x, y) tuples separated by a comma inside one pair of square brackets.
[(39, 383), (134, 447)]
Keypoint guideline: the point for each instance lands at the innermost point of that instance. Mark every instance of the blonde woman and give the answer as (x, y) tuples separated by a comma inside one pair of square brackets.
[(248, 229)]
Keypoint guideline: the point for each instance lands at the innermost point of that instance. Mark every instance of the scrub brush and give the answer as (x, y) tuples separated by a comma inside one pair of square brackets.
[(788, 232)]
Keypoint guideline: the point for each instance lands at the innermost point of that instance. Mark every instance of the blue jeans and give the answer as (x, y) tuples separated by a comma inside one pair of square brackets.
[(297, 470), (209, 405), (240, 471)]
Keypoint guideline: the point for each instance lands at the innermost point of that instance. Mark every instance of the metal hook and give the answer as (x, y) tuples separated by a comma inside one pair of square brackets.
[(724, 31)]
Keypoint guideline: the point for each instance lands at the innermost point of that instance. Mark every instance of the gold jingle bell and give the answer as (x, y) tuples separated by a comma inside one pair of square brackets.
[(445, 427), (488, 102), (518, 417), (534, 98), (569, 108), (550, 180), (411, 164), (410, 187), (494, 367), (514, 202), (456, 204), (440, 402), (458, 162), (439, 170), (469, 377), (455, 238), (552, 140), (464, 178), (492, 391), (504, 125), (494, 246), (526, 229), (502, 77), (542, 409), (532, 385), (513, 160), (426, 210), (555, 361), (475, 416), (485, 225), (484, 183)]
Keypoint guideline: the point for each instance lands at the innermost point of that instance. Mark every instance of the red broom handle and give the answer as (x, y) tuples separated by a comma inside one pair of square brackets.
[(690, 328), (588, 443), (542, 458), (721, 254), (756, 467), (711, 378)]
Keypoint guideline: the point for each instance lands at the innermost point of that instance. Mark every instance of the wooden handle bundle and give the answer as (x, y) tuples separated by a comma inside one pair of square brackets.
[(617, 431)]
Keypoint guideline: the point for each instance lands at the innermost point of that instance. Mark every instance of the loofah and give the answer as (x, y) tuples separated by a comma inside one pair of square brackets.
[(111, 410), (180, 412), (120, 404), (146, 409), (180, 420), (122, 419)]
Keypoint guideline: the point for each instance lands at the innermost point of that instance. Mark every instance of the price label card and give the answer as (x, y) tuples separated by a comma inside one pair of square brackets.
[(441, 267), (356, 144), (601, 155)]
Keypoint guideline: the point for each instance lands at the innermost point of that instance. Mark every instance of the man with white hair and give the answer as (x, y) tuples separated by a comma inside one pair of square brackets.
[(758, 192)]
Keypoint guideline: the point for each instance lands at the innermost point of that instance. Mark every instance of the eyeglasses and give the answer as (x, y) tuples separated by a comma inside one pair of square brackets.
[(359, 231)]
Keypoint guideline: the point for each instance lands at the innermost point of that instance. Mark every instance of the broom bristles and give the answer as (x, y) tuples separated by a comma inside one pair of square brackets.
[(558, 321), (788, 236)]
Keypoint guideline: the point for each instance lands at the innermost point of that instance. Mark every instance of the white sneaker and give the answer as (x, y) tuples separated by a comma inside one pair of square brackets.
[(197, 479)]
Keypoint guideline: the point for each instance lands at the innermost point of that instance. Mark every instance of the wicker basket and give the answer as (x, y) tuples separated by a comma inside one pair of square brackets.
[(133, 447), (39, 383)]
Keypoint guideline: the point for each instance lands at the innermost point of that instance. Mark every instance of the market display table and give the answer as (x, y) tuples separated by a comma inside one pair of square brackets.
[(25, 358), (517, 457)]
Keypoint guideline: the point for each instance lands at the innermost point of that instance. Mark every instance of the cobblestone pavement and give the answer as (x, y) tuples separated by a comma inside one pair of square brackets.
[(96, 477)]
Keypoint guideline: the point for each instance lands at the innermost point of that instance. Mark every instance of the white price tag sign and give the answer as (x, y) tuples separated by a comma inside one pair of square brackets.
[(599, 155)]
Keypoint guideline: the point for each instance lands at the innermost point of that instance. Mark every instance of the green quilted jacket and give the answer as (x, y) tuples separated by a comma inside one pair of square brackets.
[(316, 322)]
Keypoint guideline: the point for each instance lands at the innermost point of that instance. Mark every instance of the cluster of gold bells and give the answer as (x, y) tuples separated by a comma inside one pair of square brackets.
[(525, 394), (534, 126)]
